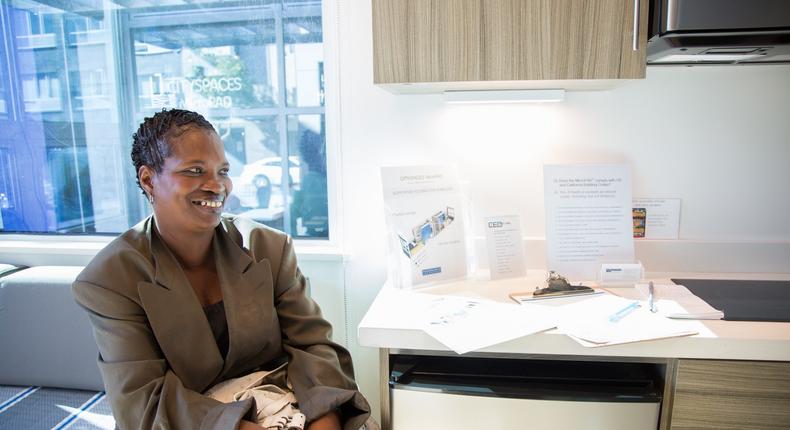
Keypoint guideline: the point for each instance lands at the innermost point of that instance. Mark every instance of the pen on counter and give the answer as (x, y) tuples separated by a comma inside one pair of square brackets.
[(617, 316), (651, 297)]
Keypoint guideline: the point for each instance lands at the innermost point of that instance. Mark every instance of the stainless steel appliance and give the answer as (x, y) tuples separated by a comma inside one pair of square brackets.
[(719, 32)]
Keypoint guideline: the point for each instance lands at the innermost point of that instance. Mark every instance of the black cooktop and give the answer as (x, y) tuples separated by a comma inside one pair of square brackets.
[(744, 300)]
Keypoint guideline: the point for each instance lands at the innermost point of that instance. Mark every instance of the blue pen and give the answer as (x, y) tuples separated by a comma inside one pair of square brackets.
[(617, 316)]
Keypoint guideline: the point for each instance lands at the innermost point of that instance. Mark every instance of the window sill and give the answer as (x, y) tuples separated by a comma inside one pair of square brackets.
[(79, 250)]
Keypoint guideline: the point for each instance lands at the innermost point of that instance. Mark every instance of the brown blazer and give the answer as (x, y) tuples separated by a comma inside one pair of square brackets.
[(156, 349)]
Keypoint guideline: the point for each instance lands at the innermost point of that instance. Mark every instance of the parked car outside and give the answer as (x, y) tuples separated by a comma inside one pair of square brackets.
[(260, 179)]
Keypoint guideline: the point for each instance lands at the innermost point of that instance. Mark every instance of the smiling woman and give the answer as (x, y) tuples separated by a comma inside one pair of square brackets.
[(189, 282)]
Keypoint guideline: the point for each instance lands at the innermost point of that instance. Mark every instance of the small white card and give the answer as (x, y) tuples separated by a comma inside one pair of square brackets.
[(659, 218), (623, 274), (505, 248)]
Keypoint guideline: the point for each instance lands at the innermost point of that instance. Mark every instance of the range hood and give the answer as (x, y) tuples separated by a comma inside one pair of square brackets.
[(719, 32)]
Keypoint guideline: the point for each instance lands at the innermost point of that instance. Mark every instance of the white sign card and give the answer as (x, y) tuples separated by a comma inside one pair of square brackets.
[(588, 218), (425, 222), (661, 218), (505, 247)]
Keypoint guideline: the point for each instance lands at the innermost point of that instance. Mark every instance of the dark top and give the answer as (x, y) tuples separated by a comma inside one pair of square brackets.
[(215, 313)]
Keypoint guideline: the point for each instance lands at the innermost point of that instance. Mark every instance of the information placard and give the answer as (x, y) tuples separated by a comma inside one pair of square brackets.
[(659, 218), (505, 247), (588, 218)]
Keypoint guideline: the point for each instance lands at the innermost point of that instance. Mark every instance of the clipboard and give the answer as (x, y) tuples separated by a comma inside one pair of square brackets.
[(527, 296)]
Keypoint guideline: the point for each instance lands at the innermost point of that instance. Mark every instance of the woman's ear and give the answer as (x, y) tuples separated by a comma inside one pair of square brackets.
[(146, 177)]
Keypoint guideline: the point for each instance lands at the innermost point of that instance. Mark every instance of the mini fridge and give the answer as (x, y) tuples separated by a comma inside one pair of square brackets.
[(428, 392)]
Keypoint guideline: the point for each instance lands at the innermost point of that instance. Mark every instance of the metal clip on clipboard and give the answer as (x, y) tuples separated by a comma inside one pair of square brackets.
[(557, 285)]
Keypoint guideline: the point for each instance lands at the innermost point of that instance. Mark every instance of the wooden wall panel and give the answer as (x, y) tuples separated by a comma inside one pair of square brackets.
[(718, 394)]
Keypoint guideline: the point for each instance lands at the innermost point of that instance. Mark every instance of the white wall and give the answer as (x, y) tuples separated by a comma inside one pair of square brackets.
[(716, 137)]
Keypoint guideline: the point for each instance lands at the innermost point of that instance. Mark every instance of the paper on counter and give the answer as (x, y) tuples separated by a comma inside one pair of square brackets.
[(395, 308), (690, 305), (465, 325), (587, 322)]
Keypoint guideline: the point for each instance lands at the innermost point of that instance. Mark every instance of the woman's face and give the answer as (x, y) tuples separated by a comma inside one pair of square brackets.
[(190, 191)]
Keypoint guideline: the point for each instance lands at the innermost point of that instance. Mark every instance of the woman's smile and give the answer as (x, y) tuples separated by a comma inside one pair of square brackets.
[(209, 203)]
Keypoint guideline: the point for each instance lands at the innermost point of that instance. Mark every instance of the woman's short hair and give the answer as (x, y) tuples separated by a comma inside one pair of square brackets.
[(150, 144)]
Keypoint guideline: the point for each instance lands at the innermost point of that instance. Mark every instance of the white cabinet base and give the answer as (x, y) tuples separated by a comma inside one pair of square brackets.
[(413, 409)]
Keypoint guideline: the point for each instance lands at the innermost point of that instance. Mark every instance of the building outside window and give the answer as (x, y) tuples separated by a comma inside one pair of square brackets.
[(77, 80), (41, 93), (39, 22)]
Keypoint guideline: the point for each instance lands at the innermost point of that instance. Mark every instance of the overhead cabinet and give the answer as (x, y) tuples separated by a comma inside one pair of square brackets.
[(488, 42)]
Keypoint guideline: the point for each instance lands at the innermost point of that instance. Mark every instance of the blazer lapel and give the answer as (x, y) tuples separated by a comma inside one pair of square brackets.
[(178, 321), (248, 295)]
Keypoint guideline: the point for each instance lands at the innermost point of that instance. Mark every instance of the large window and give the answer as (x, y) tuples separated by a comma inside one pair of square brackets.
[(76, 80)]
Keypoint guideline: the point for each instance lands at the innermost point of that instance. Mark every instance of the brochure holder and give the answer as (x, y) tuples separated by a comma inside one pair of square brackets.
[(427, 217)]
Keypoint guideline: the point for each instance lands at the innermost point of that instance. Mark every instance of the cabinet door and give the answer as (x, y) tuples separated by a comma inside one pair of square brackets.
[(717, 394), (562, 39), (507, 40), (426, 41)]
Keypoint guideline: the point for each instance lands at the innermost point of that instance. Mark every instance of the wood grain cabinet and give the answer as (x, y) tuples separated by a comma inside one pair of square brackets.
[(720, 394), (431, 41)]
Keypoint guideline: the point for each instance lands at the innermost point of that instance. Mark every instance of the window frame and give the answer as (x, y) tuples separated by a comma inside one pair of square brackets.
[(63, 249)]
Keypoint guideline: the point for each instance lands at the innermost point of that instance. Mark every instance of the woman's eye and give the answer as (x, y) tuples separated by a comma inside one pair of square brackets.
[(223, 172), (194, 170)]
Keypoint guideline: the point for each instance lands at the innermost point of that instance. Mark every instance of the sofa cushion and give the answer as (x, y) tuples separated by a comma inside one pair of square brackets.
[(46, 337)]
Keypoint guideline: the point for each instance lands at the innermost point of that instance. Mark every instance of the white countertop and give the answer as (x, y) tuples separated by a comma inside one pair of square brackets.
[(385, 327)]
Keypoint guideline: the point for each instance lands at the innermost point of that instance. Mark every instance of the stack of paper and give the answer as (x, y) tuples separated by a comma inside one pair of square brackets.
[(464, 324), (589, 322), (692, 306)]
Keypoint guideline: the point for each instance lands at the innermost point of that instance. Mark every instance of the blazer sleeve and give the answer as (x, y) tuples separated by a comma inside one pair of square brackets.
[(319, 370), (143, 392)]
